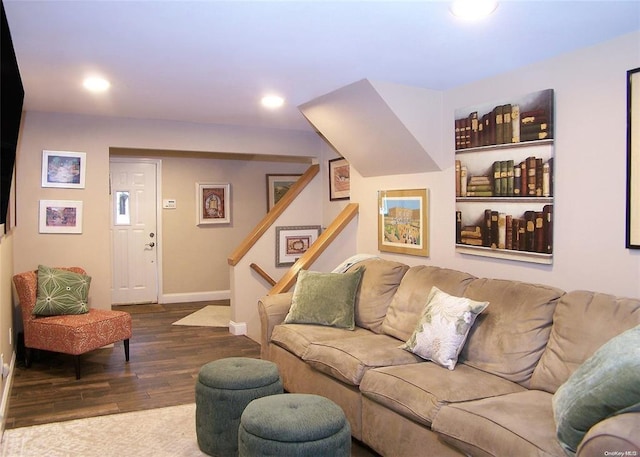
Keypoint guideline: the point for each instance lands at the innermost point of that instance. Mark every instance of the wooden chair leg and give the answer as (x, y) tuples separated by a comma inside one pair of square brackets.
[(126, 349), (27, 357), (76, 361)]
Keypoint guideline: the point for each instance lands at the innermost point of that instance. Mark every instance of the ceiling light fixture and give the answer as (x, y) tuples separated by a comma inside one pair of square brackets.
[(473, 9), (272, 101), (96, 84)]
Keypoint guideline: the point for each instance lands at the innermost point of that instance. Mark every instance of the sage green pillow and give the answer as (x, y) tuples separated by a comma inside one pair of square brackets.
[(325, 299), (61, 292), (606, 384)]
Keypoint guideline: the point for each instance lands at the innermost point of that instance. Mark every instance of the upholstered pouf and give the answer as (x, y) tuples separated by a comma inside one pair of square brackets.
[(300, 425), (224, 388)]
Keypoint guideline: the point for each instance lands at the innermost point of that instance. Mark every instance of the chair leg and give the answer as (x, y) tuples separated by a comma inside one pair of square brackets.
[(76, 361), (27, 357), (126, 349)]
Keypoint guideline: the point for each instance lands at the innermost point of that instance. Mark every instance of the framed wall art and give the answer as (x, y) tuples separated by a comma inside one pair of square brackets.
[(64, 169), (633, 159), (214, 203), (60, 216), (403, 221), (292, 242), (339, 184), (277, 186)]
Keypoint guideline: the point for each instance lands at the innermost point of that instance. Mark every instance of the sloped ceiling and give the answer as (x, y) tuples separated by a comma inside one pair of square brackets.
[(381, 128)]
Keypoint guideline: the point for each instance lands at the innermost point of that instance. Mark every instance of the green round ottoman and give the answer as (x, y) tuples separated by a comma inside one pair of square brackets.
[(224, 388), (300, 425)]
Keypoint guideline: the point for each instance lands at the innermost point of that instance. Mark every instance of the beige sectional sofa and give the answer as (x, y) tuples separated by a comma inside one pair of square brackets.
[(497, 401)]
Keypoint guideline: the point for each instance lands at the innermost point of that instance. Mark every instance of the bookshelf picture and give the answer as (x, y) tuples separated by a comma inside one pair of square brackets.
[(504, 161)]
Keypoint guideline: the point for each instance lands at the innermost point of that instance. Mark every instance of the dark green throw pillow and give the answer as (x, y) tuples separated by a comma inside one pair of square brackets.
[(606, 384), (325, 299), (61, 292)]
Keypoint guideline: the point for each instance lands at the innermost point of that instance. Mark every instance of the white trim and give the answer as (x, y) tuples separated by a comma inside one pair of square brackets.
[(194, 296), (6, 391), (237, 328)]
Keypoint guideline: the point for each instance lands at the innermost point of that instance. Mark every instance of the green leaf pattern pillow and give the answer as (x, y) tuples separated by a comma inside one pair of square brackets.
[(61, 292)]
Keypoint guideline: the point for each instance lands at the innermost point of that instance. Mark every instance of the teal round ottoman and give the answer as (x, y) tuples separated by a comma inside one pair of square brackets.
[(224, 388), (300, 425)]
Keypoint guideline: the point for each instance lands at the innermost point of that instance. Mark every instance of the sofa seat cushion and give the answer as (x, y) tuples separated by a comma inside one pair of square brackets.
[(296, 338), (349, 359), (514, 424), (418, 391)]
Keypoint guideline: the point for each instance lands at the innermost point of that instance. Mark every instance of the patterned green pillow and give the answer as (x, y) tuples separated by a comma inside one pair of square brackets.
[(61, 292), (443, 327)]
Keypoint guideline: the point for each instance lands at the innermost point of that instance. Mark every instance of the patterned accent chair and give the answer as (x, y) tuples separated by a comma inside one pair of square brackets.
[(73, 334)]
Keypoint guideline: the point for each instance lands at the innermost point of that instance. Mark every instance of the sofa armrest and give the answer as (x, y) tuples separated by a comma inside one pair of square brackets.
[(272, 310), (616, 435)]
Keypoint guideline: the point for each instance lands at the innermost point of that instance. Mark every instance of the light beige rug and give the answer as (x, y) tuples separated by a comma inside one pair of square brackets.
[(209, 316), (163, 432)]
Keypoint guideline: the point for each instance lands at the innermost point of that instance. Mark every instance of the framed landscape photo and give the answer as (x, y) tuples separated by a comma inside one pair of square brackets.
[(292, 242), (60, 216), (64, 169), (214, 203), (633, 159), (339, 184), (403, 221), (277, 186)]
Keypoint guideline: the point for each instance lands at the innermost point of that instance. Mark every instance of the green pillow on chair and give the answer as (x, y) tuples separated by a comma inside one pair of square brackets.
[(606, 384), (61, 292)]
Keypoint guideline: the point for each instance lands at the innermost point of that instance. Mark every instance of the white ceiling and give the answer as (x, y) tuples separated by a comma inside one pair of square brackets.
[(211, 61)]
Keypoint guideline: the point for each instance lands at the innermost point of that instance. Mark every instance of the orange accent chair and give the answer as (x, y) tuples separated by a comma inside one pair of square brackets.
[(73, 334)]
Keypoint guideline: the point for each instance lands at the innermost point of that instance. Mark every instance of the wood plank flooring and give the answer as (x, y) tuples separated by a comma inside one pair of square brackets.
[(162, 371)]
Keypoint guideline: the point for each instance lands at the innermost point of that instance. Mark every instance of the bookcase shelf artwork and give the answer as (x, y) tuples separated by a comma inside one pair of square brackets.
[(504, 168)]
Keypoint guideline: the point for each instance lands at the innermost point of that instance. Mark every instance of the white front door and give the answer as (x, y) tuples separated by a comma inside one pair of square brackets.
[(134, 240)]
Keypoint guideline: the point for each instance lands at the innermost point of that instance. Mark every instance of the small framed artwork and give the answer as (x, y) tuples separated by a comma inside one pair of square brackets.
[(292, 242), (277, 186), (60, 216), (633, 159), (403, 221), (339, 185), (64, 169), (214, 203)]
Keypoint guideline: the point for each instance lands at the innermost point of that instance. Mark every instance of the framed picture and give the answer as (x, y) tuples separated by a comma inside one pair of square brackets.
[(403, 222), (292, 242), (277, 186), (63, 169), (60, 216), (633, 159), (339, 185), (214, 203)]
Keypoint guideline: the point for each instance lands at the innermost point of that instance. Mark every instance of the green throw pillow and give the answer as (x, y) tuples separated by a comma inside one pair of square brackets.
[(325, 299), (61, 292), (443, 327), (606, 384)]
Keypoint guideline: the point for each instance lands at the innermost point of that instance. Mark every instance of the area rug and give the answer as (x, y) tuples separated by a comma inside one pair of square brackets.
[(163, 432), (209, 316)]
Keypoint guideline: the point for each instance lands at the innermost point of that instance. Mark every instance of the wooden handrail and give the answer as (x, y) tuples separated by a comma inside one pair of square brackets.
[(273, 215), (263, 274), (317, 248)]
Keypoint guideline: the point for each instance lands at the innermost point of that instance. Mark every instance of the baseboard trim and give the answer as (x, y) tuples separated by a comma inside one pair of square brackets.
[(6, 393), (237, 328), (195, 296)]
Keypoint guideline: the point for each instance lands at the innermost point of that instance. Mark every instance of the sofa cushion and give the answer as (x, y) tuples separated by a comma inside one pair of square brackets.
[(509, 337), (606, 384), (410, 298), (514, 424), (325, 299), (443, 327), (418, 391), (349, 359), (578, 331), (61, 292), (379, 283), (296, 338)]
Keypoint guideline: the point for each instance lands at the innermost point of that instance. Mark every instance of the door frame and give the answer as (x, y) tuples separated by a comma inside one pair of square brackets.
[(158, 232)]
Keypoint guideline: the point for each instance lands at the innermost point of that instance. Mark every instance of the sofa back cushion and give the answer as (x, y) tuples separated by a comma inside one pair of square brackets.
[(411, 297), (583, 321), (379, 283), (508, 338)]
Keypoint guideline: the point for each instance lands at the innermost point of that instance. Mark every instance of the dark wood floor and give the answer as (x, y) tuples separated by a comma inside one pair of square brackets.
[(162, 371)]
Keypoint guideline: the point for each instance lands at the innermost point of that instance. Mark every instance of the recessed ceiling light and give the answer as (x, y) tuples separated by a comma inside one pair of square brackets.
[(473, 9), (96, 84), (272, 101)]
